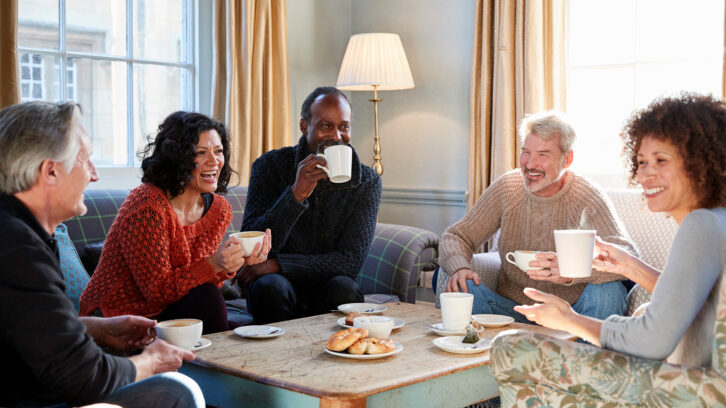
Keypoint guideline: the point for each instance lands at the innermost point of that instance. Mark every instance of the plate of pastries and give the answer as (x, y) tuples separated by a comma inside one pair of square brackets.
[(355, 343)]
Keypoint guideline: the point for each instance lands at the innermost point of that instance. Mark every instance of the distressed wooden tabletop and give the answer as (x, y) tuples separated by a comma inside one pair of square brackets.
[(296, 360)]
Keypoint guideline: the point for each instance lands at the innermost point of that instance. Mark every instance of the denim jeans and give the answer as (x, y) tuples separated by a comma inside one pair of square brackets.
[(598, 301), (166, 390)]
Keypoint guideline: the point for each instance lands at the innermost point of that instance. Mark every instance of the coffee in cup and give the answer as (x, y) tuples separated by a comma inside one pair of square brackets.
[(378, 326), (522, 259), (338, 163), (575, 251), (184, 333), (456, 310), (248, 240)]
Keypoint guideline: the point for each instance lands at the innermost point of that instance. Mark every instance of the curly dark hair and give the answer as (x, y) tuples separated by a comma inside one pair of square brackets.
[(305, 112), (696, 125), (168, 159)]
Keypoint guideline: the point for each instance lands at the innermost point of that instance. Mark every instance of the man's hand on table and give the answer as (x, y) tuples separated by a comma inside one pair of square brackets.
[(249, 274), (459, 278), (550, 271)]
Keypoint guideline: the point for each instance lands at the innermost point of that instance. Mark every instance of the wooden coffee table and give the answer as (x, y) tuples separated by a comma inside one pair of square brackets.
[(293, 370)]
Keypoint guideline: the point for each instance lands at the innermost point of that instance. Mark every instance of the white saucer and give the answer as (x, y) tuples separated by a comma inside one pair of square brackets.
[(397, 323), (453, 344), (364, 308), (259, 332), (201, 344), (399, 347), (438, 328), (493, 320)]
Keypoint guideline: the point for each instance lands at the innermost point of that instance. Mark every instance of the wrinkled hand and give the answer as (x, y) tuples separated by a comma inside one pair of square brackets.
[(611, 258), (159, 357), (459, 278), (307, 177), (125, 333), (260, 251), (551, 271), (249, 274), (552, 312)]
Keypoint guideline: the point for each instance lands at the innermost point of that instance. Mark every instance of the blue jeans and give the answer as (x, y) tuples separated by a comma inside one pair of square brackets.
[(164, 390), (598, 301)]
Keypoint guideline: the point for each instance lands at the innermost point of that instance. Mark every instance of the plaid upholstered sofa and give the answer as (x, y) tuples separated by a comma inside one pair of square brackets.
[(652, 234), (390, 272)]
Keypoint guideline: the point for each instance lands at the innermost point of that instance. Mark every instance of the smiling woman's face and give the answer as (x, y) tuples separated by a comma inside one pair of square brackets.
[(666, 185), (209, 161)]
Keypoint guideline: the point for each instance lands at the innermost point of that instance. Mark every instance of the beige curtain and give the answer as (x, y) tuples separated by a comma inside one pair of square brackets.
[(9, 89), (252, 78), (518, 67)]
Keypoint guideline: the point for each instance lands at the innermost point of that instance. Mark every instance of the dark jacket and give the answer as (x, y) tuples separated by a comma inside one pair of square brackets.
[(47, 356), (328, 234)]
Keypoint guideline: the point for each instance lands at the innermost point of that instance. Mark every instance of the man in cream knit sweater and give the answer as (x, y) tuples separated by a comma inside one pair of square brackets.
[(527, 205)]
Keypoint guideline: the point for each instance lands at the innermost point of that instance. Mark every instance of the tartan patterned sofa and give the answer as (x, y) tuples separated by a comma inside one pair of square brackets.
[(397, 255)]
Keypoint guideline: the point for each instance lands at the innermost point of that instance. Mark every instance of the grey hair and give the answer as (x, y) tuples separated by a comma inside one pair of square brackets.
[(30, 133), (546, 125)]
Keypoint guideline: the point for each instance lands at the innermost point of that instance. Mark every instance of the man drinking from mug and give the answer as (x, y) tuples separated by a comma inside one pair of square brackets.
[(527, 205), (321, 230)]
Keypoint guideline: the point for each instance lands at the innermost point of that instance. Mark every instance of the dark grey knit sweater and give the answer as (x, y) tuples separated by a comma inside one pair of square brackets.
[(328, 234)]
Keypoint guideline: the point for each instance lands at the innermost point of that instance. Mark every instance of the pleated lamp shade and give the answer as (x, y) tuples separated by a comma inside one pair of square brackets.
[(374, 59)]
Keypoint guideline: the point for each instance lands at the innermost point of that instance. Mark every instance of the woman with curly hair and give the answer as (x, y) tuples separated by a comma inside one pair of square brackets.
[(676, 150), (162, 257)]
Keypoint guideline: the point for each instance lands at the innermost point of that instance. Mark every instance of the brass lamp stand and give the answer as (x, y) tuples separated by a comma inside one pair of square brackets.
[(377, 165)]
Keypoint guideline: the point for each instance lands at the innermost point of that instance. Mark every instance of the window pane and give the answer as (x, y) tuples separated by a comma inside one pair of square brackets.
[(158, 30), (96, 26), (158, 91), (101, 91), (39, 77), (38, 24)]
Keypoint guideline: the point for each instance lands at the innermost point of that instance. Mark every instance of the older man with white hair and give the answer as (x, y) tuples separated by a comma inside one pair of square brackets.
[(527, 205), (50, 356)]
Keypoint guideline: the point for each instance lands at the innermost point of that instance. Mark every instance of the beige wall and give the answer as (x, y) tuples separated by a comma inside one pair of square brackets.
[(424, 131)]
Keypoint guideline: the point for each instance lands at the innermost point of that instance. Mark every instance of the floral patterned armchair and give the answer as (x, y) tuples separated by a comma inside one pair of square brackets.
[(536, 370)]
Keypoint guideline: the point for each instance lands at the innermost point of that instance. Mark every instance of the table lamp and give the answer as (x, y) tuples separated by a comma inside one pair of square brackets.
[(377, 62)]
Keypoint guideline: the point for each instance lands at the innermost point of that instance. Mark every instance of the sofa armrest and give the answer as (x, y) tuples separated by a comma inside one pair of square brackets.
[(487, 265), (397, 255)]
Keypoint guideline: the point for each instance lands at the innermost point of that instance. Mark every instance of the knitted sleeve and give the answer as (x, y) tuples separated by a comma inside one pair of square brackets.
[(460, 241), (146, 244), (350, 249)]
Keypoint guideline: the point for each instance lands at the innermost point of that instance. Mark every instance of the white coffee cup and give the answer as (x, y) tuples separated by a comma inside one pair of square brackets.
[(456, 310), (338, 160), (378, 326), (248, 240), (575, 249), (522, 259), (184, 333)]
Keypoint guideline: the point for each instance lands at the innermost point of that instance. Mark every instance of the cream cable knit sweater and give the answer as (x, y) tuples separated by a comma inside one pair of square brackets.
[(526, 223)]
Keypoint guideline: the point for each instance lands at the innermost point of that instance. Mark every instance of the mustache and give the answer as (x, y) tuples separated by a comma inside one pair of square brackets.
[(527, 169), (328, 143)]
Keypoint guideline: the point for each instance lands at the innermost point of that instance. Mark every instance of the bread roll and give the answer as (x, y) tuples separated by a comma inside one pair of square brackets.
[(352, 315), (359, 347), (379, 346), (345, 338)]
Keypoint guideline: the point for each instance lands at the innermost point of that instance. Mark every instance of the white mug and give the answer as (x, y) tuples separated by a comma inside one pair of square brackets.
[(378, 326), (184, 333), (456, 310), (248, 240), (575, 249), (522, 259), (339, 160)]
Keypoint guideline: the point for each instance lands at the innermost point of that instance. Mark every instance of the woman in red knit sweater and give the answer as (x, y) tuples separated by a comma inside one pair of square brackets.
[(162, 257)]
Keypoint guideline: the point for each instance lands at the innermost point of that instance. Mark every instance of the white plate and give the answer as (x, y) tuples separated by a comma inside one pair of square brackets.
[(397, 323), (438, 328), (493, 320), (258, 332), (453, 344), (364, 308), (399, 347), (201, 344)]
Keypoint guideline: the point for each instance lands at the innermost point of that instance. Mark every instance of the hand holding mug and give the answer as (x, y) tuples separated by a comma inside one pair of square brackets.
[(545, 267), (307, 177)]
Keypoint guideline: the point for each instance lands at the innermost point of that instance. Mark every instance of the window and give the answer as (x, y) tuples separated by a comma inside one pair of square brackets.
[(129, 63), (622, 54)]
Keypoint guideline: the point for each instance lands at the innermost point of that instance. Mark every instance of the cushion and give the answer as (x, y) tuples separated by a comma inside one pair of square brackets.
[(73, 271), (91, 256)]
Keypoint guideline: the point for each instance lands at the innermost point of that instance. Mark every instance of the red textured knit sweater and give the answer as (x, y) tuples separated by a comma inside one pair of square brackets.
[(150, 259)]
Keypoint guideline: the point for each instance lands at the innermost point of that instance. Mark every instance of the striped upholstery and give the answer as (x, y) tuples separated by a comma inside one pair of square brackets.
[(390, 272)]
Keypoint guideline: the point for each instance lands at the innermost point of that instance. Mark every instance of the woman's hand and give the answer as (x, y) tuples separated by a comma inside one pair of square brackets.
[(260, 252), (229, 258), (611, 258), (552, 312)]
